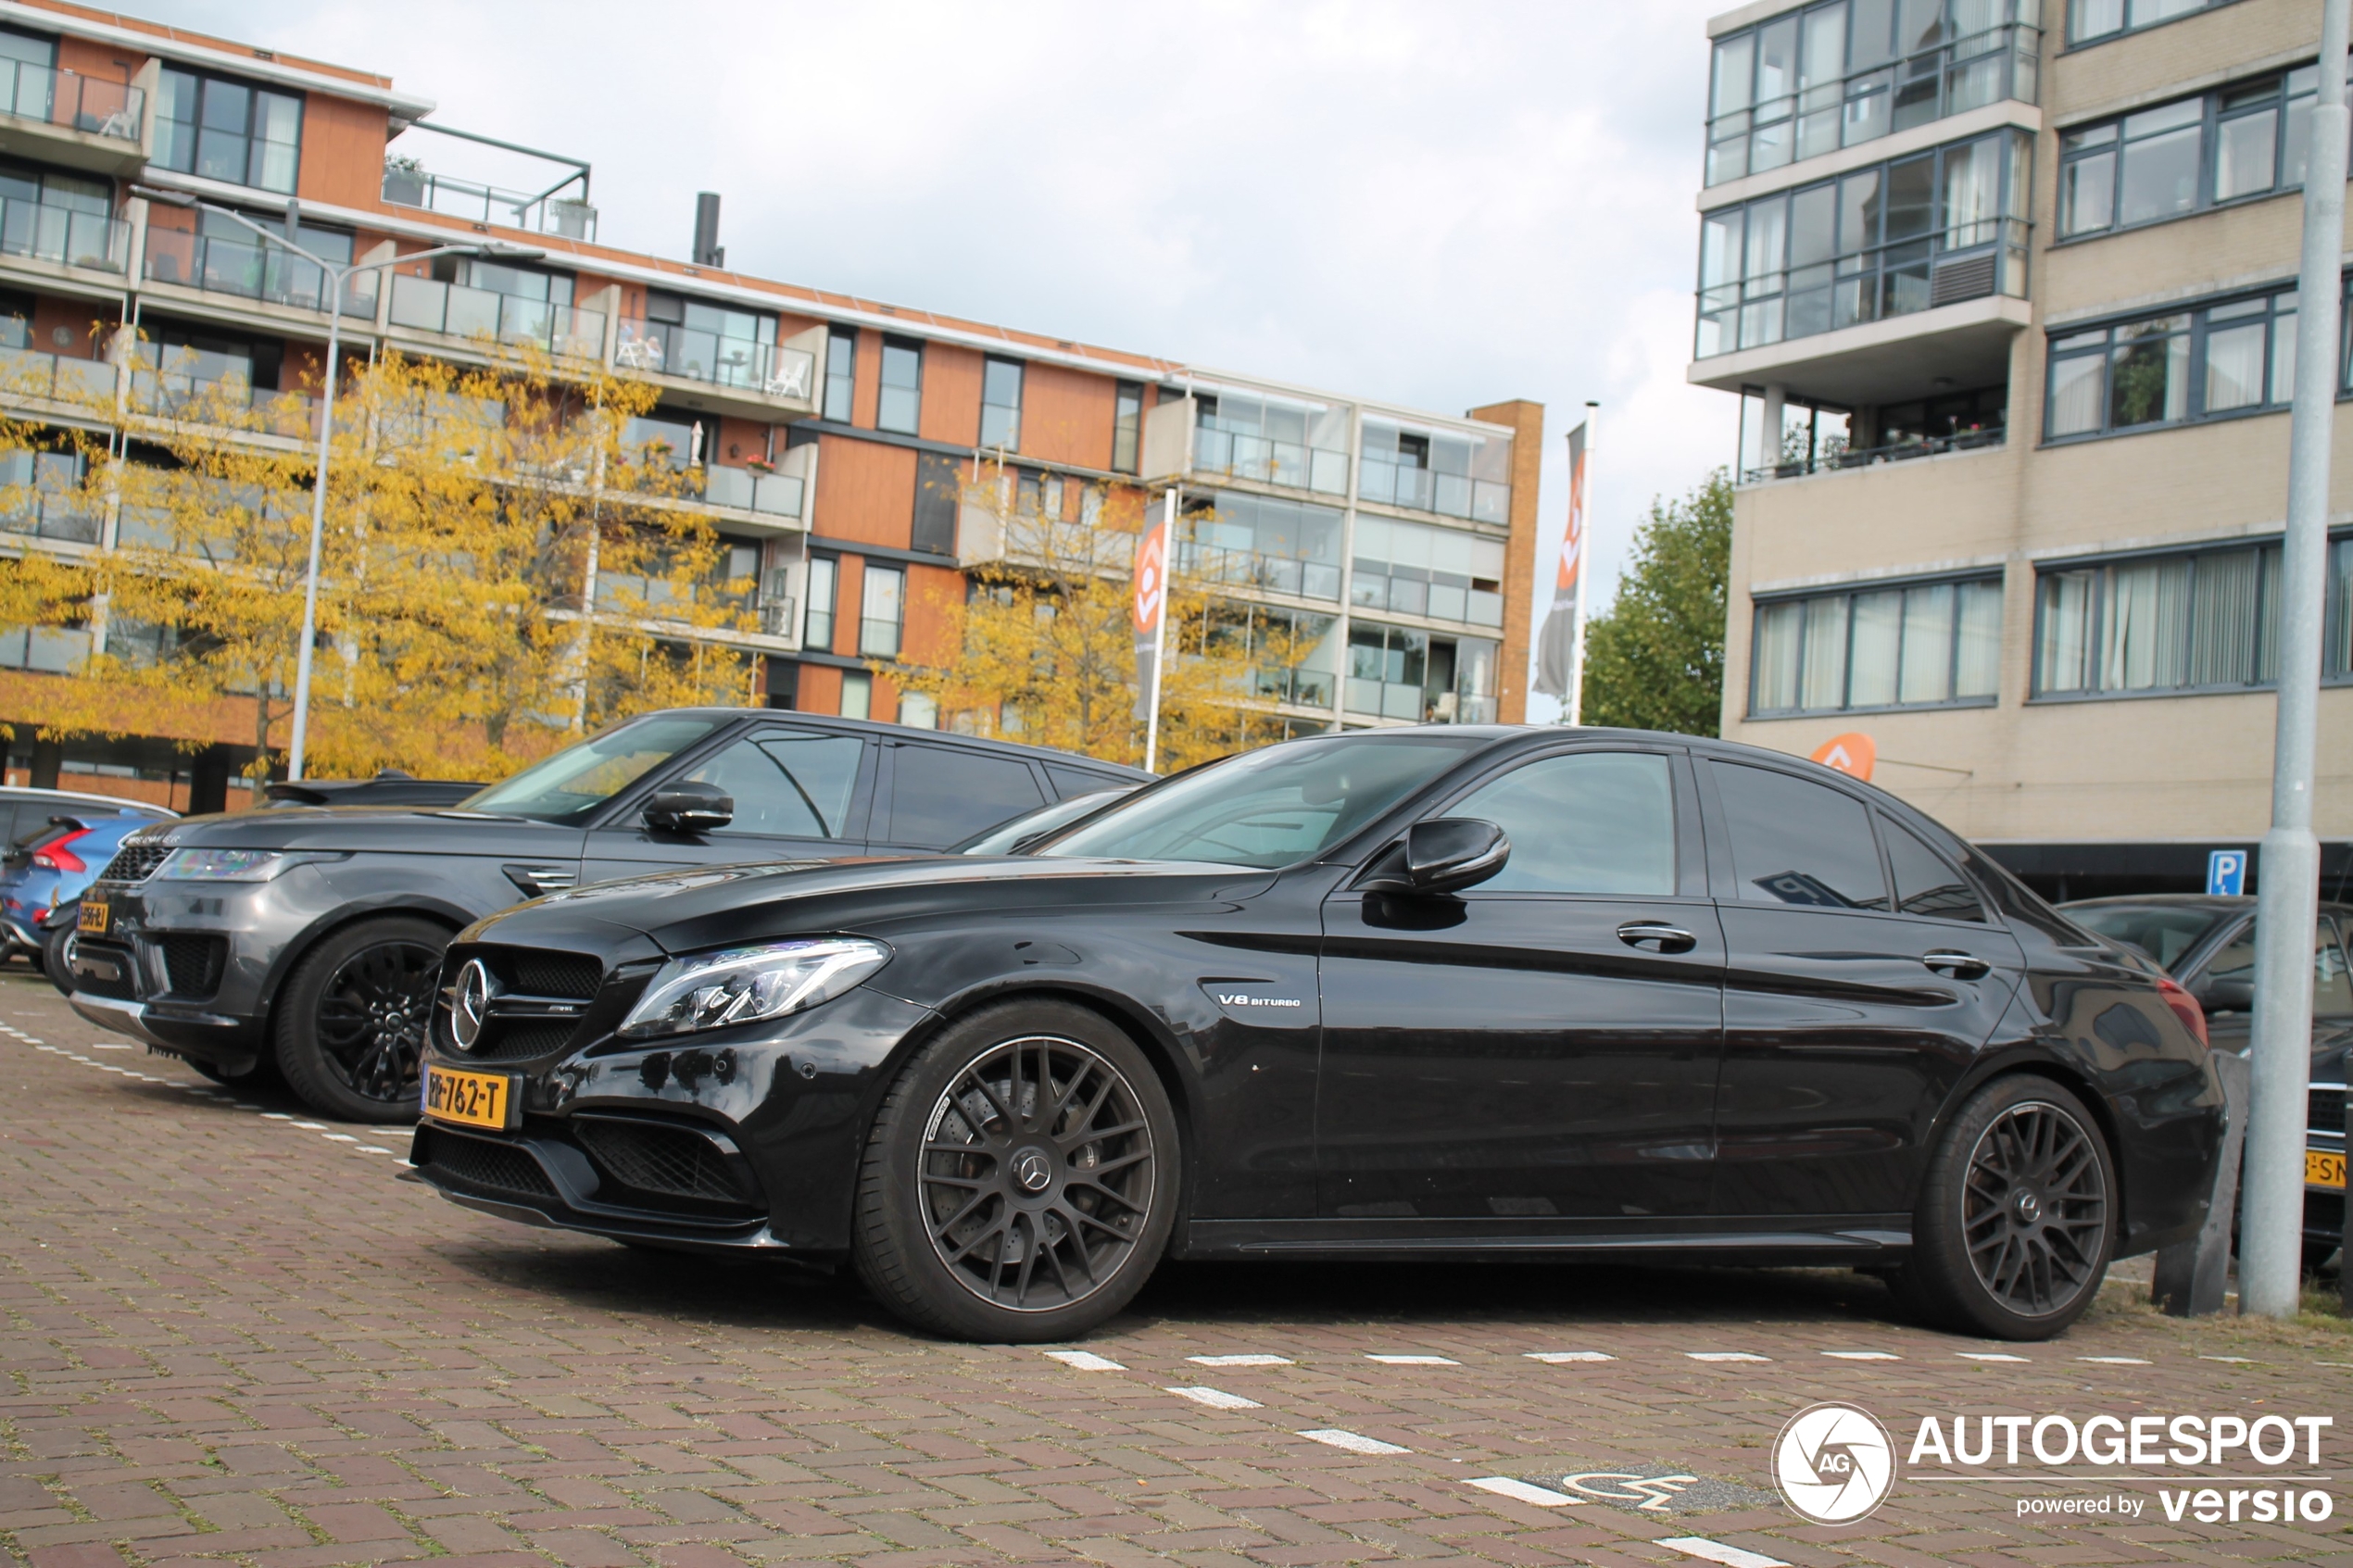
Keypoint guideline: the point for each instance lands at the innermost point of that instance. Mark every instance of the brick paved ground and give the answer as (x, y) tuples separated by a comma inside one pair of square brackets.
[(232, 1336)]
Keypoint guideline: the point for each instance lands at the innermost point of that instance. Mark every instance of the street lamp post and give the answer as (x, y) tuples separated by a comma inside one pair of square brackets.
[(338, 276)]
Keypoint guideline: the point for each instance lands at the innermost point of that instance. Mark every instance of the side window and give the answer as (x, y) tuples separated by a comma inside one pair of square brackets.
[(2332, 988), (788, 784), (941, 794), (1798, 842), (1590, 821), (1926, 883), (1068, 782)]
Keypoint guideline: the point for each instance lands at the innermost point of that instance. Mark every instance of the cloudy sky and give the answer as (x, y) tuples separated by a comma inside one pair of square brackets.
[(1439, 205)]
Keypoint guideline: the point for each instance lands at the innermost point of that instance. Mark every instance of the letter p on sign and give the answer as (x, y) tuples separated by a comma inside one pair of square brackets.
[(2226, 873)]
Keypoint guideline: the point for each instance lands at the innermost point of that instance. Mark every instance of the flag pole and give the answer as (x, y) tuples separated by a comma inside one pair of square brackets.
[(1581, 497), (1160, 631)]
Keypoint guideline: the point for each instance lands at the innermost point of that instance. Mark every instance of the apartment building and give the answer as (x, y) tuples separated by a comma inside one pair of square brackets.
[(826, 437), (2008, 289)]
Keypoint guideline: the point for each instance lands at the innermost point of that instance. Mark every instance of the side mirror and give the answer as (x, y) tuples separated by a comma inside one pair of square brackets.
[(2227, 995), (689, 807), (1442, 856)]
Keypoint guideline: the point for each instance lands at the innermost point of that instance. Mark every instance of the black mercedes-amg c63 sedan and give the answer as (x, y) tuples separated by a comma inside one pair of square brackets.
[(1470, 993)]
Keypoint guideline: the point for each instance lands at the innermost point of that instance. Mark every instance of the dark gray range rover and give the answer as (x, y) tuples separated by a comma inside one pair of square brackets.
[(312, 936)]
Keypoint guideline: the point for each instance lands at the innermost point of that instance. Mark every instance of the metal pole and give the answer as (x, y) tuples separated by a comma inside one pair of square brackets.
[(1582, 498), (2270, 1233), (318, 530), (1160, 633)]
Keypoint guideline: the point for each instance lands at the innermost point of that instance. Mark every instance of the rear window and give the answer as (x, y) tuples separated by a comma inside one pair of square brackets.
[(2165, 932), (941, 794)]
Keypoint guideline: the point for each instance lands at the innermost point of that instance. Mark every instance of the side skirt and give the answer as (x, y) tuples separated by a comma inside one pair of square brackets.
[(1849, 1241)]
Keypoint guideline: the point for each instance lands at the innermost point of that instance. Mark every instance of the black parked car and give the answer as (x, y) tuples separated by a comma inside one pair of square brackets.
[(2208, 945), (310, 936), (1459, 993)]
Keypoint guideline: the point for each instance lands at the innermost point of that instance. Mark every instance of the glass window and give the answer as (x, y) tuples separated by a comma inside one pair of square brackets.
[(1000, 404), (1274, 806), (857, 695), (1916, 646), (900, 408), (2332, 990), (941, 794), (228, 130), (787, 784), (1591, 822), (1797, 842), (2199, 620), (883, 613), (2245, 140), (1261, 541), (2166, 933), (841, 373), (1927, 883), (2087, 19), (1126, 426), (2228, 359), (1459, 473), (817, 626), (577, 780)]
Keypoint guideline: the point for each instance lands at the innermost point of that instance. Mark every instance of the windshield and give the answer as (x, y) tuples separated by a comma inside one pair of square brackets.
[(1000, 839), (580, 778), (2165, 934), (1274, 808)]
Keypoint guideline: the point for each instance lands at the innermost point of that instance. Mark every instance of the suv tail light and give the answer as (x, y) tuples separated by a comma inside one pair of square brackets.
[(53, 855), (2184, 1008)]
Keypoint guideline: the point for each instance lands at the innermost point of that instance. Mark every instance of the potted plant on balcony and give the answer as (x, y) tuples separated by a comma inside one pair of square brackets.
[(404, 181)]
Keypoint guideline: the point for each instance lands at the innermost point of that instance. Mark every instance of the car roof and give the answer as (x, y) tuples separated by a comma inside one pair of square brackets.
[(903, 732), (2212, 903), (83, 797)]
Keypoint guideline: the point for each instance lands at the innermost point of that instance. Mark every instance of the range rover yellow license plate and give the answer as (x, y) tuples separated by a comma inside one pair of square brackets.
[(2323, 1168), (92, 917), (471, 1099)]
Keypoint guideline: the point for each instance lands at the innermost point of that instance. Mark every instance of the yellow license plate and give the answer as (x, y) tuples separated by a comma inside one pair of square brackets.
[(2323, 1168), (92, 917), (472, 1100)]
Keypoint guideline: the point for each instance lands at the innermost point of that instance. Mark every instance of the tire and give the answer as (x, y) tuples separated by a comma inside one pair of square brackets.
[(948, 1239), (2017, 1217), (215, 1072), (350, 1024), (57, 955)]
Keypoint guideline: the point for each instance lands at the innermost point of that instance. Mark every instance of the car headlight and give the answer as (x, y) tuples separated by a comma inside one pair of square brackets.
[(745, 985), (225, 865)]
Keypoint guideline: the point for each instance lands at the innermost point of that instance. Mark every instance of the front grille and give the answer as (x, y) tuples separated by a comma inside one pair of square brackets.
[(193, 962), (669, 1161), (2325, 1111), (521, 1041), (123, 990), (136, 863), (537, 974), (488, 1167)]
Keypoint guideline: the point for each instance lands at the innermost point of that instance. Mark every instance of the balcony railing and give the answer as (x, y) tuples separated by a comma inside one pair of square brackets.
[(251, 271), (230, 402), (1450, 494), (1863, 457), (1970, 261), (1235, 455), (543, 214), (64, 235), (61, 98), (428, 306), (1415, 591), (776, 493), (669, 349), (1967, 73), (40, 494), (1248, 569), (1409, 700), (29, 373)]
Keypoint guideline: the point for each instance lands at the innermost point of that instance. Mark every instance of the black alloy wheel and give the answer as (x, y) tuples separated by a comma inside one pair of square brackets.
[(2016, 1219), (1020, 1180), (352, 1021)]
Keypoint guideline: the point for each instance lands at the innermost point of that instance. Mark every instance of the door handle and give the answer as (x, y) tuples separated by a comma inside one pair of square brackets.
[(1960, 966), (1657, 936)]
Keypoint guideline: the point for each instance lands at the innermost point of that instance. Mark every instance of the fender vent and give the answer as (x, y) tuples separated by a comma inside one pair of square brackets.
[(670, 1160), (486, 1167)]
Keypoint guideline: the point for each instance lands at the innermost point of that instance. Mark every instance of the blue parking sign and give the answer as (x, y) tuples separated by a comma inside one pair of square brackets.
[(2226, 873)]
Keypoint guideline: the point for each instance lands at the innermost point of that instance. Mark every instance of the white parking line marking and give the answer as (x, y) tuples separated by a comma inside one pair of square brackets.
[(2235, 1359), (1717, 1551), (1216, 1399), (1986, 1356), (1415, 1360), (1353, 1442), (372, 1149), (1240, 1361), (107, 1046), (1085, 1360), (339, 1137), (312, 1126), (273, 1115), (1725, 1356), (1863, 1355), (2113, 1360), (1557, 1356), (1520, 1491)]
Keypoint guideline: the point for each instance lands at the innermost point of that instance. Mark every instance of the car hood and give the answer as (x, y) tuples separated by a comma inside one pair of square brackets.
[(355, 829), (710, 906)]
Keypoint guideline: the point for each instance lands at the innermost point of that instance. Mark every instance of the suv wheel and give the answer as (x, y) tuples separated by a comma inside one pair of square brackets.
[(57, 958), (351, 1023), (1021, 1178), (2017, 1217)]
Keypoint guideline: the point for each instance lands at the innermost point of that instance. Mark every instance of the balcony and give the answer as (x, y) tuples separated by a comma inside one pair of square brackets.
[(251, 271), (775, 494), (1836, 460), (1207, 566), (1770, 114), (41, 497), (56, 378), (231, 404), (737, 375), (65, 237), (1222, 454), (79, 121), (425, 304), (406, 183)]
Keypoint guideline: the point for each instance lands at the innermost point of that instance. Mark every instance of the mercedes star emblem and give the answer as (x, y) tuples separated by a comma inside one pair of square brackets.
[(470, 1008)]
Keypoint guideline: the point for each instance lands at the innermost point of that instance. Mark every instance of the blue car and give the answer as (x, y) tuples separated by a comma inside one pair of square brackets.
[(61, 843)]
